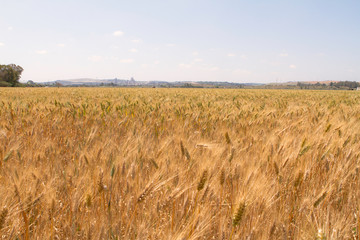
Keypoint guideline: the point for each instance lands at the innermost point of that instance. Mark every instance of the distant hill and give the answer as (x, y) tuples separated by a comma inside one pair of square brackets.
[(91, 82), (327, 82), (316, 85), (132, 83)]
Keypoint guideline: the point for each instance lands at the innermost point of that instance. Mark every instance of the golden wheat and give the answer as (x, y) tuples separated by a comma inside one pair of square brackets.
[(109, 163)]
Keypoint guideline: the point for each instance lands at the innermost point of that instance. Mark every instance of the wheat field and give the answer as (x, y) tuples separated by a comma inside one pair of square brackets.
[(109, 163)]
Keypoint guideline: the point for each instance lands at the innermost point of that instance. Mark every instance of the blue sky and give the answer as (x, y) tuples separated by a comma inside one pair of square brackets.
[(187, 40)]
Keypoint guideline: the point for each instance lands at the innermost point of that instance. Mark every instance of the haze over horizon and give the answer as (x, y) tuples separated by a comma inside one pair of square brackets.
[(234, 41)]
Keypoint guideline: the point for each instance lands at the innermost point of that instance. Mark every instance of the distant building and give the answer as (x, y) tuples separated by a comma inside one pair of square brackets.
[(132, 82)]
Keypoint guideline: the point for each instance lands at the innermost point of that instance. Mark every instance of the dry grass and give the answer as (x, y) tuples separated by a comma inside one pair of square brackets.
[(179, 164)]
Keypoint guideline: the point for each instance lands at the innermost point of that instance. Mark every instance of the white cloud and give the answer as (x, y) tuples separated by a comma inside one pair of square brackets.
[(292, 66), (183, 65), (243, 56), (136, 40), (61, 45), (1, 44), (198, 60), (170, 45), (10, 28), (41, 52), (242, 71), (231, 55), (195, 53), (156, 62), (96, 58), (273, 63), (214, 69), (133, 50), (128, 60), (118, 33), (144, 65), (283, 55)]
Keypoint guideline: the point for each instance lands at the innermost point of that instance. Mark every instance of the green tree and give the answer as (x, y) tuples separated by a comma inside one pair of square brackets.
[(10, 74)]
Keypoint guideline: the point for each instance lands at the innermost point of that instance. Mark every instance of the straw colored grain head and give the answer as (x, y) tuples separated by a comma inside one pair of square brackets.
[(239, 214), (222, 177), (3, 216), (202, 181)]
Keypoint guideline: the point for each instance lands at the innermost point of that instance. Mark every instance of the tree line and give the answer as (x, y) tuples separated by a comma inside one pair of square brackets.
[(344, 85), (10, 75)]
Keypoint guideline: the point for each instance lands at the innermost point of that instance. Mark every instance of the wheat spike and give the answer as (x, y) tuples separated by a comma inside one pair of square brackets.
[(101, 183), (146, 191), (277, 171), (3, 216), (239, 214), (222, 177), (182, 148), (202, 180), (320, 199), (298, 179), (227, 138)]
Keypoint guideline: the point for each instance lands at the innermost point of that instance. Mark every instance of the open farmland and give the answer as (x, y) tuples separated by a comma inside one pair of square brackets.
[(106, 163)]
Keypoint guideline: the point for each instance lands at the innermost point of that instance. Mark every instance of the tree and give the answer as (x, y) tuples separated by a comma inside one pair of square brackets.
[(347, 84), (10, 74)]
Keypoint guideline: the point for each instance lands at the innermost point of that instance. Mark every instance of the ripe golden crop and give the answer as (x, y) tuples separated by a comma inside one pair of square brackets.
[(110, 163)]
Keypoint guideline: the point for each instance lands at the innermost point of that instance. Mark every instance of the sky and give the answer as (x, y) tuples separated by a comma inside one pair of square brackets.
[(182, 40)]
